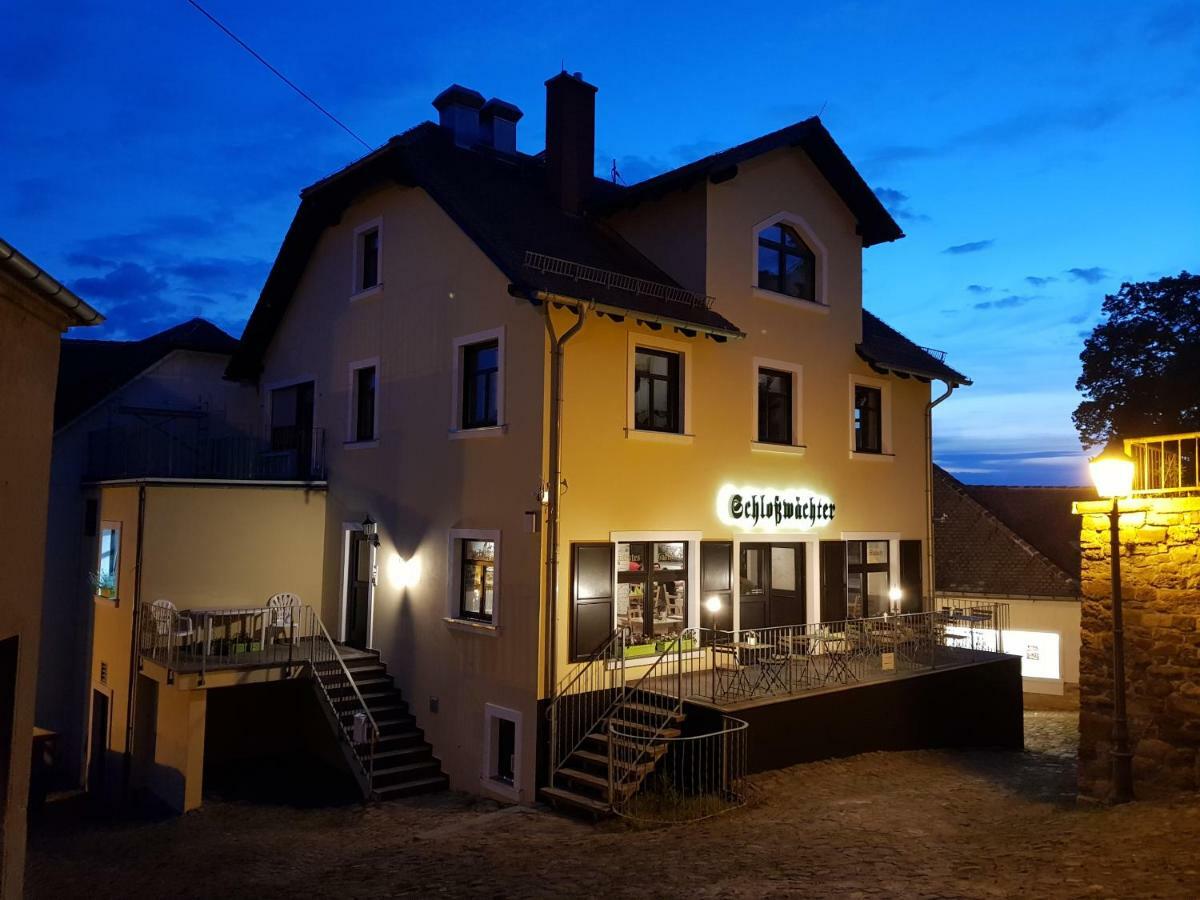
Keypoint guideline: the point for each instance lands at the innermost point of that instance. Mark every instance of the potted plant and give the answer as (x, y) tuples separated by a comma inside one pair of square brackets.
[(639, 646), (669, 640)]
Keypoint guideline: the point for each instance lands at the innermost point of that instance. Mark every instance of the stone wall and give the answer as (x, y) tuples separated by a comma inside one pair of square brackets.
[(1160, 577)]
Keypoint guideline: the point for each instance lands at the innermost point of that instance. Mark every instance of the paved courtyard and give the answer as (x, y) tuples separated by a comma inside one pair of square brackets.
[(921, 824)]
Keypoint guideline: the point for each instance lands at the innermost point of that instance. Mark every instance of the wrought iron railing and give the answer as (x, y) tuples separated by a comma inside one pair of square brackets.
[(292, 638), (124, 451), (581, 272), (1165, 464), (697, 775), (584, 697)]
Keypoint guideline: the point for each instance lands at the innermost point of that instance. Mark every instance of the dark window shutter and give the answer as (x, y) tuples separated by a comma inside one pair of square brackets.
[(592, 567), (833, 581), (912, 564), (716, 579)]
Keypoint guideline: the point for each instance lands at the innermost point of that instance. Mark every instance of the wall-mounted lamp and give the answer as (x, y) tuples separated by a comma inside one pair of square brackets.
[(403, 573), (370, 530)]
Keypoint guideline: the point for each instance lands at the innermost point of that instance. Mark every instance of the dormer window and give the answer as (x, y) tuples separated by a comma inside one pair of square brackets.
[(785, 263)]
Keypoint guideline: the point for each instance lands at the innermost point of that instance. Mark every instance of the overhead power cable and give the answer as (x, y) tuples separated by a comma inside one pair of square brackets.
[(340, 124)]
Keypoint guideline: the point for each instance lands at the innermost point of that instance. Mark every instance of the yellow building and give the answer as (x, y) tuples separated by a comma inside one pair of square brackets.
[(585, 415), (34, 311)]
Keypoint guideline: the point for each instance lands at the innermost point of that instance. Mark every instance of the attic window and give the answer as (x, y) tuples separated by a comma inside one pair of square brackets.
[(786, 265), (368, 242)]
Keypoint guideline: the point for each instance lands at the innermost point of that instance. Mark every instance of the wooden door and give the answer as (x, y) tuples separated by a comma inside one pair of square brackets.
[(786, 595), (754, 562), (97, 758), (358, 590)]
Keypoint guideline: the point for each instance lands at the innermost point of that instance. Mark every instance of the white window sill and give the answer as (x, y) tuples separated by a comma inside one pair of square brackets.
[(490, 431), (369, 292), (658, 437), (794, 302), (764, 447), (360, 445), (872, 457), (501, 789), (472, 627)]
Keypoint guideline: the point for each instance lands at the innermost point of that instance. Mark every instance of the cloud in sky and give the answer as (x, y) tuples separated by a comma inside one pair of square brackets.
[(969, 247), (1091, 275), (1040, 280), (1173, 23), (1007, 302), (897, 203), (979, 289)]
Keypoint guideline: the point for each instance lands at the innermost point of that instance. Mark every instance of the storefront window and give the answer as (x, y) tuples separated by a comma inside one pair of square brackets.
[(652, 588), (867, 578), (478, 580)]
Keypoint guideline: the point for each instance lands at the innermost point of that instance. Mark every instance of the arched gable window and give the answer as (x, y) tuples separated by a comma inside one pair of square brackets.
[(785, 264)]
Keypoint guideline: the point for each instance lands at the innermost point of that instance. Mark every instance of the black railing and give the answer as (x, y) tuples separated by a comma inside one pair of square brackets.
[(1166, 464), (145, 452)]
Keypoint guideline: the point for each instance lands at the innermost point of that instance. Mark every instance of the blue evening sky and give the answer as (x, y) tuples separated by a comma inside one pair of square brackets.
[(1037, 154)]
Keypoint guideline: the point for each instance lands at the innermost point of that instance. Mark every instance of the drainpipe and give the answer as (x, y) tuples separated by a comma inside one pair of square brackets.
[(127, 761), (929, 485), (554, 466)]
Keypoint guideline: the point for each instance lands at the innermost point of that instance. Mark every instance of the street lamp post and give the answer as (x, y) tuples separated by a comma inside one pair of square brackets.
[(1112, 473)]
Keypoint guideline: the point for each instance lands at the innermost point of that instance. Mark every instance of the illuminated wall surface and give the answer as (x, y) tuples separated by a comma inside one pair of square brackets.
[(1159, 543)]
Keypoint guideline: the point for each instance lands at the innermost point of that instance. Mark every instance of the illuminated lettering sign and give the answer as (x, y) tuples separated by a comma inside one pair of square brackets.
[(768, 509)]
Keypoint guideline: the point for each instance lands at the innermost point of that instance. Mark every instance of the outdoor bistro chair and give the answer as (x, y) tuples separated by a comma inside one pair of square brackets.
[(170, 628), (282, 611), (729, 675)]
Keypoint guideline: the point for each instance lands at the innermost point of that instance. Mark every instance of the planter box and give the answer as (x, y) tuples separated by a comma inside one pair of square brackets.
[(688, 644), (641, 650)]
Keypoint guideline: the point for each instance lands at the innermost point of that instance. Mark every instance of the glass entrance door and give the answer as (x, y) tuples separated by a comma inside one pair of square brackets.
[(773, 587)]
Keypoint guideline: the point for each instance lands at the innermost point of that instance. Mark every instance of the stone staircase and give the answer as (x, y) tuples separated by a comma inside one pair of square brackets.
[(581, 784), (404, 763)]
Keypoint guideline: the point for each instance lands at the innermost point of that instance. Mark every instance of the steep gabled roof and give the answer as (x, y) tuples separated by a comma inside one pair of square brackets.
[(978, 553), (90, 370), (887, 349), (875, 223)]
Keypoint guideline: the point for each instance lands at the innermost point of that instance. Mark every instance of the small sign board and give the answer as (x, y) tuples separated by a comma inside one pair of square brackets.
[(889, 661)]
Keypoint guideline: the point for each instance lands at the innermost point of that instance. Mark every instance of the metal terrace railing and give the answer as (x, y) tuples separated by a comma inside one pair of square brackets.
[(939, 355), (580, 272), (1165, 464), (292, 638)]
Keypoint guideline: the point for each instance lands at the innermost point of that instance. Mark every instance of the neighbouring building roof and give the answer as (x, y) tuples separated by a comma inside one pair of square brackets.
[(979, 552), (90, 370), (501, 202), (26, 272)]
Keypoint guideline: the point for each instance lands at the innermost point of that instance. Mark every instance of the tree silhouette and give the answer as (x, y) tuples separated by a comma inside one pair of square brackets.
[(1141, 365)]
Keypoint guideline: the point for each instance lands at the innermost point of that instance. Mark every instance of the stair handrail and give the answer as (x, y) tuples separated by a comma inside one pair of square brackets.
[(597, 663), (368, 765), (641, 745)]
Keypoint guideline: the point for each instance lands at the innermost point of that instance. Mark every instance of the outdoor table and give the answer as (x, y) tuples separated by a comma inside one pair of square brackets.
[(754, 655), (835, 646)]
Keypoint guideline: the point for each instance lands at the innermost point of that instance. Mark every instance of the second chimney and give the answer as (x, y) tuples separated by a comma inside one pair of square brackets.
[(570, 139), (498, 125)]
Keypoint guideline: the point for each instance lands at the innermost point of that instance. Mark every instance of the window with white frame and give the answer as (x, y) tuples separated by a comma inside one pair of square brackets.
[(364, 408), (108, 561), (474, 576), (478, 373), (659, 398), (778, 392), (502, 750), (870, 417), (368, 246)]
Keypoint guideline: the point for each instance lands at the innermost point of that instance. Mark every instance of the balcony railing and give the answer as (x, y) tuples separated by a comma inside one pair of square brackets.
[(1166, 464), (149, 452)]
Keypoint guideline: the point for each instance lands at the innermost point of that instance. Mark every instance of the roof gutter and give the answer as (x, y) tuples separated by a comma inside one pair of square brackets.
[(22, 267), (610, 310)]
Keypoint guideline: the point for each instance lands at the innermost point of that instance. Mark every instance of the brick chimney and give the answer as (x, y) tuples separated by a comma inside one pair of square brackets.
[(570, 139)]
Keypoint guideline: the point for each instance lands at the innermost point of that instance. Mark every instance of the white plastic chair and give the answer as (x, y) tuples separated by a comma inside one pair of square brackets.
[(170, 627), (281, 613)]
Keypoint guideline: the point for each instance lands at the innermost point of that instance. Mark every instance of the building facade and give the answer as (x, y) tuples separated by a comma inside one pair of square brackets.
[(34, 312), (574, 407)]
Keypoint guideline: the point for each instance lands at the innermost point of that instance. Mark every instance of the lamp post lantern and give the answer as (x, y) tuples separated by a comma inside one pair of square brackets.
[(1112, 473)]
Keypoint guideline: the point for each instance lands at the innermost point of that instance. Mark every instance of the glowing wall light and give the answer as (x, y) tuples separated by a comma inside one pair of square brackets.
[(403, 573)]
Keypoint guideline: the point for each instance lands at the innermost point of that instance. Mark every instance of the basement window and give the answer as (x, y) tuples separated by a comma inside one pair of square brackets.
[(502, 751)]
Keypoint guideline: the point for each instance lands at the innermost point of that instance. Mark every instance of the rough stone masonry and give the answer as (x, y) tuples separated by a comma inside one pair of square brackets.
[(1160, 579)]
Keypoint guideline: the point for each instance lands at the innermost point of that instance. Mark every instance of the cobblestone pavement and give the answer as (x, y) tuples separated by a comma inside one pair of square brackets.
[(921, 824)]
